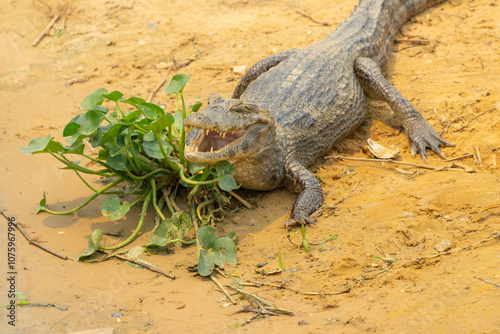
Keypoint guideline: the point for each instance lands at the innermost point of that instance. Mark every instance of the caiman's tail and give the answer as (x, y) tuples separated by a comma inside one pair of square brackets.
[(374, 23)]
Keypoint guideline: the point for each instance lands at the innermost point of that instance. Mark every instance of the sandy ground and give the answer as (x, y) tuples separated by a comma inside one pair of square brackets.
[(453, 78)]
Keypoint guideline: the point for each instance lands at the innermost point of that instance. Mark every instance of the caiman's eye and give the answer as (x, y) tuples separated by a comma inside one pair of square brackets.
[(242, 107)]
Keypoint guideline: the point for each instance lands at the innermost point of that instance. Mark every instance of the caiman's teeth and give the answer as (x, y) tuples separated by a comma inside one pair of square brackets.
[(223, 135), (207, 131), (196, 149), (211, 149)]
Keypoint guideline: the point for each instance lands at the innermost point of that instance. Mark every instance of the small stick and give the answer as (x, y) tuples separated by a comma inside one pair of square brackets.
[(172, 200), (352, 190), (242, 201), (481, 114), (495, 235), (46, 30), (139, 262), (397, 244), (454, 164), (31, 242), (412, 41), (165, 77), (223, 274), (313, 19), (489, 282), (461, 157), (477, 156), (381, 160), (157, 88), (216, 281), (381, 251)]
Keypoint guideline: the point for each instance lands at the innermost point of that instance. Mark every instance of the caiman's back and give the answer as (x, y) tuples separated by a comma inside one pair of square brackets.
[(315, 95)]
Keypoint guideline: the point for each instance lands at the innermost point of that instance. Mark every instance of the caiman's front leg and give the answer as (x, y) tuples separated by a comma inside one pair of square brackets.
[(258, 68), (420, 133), (311, 197)]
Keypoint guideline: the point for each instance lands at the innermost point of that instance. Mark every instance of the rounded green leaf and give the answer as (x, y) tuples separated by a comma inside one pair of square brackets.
[(206, 236), (152, 149), (113, 96), (151, 110), (224, 250), (133, 101), (41, 145), (161, 123), (205, 263), (112, 208), (179, 81), (227, 183), (224, 167), (93, 99), (117, 162)]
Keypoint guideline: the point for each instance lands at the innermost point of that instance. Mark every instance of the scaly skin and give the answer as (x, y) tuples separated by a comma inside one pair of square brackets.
[(292, 107)]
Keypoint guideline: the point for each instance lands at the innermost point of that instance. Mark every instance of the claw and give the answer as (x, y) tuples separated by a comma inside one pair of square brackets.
[(300, 221), (426, 137)]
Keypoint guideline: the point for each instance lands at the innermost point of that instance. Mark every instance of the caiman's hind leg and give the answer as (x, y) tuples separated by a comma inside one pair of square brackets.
[(258, 68), (420, 133), (311, 197)]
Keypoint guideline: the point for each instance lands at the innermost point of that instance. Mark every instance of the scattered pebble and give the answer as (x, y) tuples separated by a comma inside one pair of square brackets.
[(443, 246), (240, 69), (117, 315), (294, 270), (74, 80), (303, 323)]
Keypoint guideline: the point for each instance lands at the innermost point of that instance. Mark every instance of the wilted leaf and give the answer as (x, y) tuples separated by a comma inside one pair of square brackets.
[(112, 208), (94, 244)]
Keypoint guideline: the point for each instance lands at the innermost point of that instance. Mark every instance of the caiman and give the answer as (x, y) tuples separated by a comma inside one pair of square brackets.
[(290, 109)]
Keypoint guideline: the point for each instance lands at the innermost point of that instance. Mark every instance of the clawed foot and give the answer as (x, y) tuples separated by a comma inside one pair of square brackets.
[(422, 136), (298, 221)]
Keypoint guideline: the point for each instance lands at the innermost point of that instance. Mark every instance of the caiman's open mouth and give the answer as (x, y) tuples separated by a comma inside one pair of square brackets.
[(212, 140)]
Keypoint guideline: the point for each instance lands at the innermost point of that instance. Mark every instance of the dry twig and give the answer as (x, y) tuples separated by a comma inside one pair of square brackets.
[(224, 291), (174, 67), (442, 168), (138, 262), (31, 242), (46, 30), (313, 19), (489, 282)]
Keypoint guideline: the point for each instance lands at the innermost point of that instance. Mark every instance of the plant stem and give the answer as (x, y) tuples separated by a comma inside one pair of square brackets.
[(90, 199), (133, 160), (185, 179), (202, 204), (167, 200), (182, 140), (195, 223), (165, 156), (74, 166), (141, 197), (153, 188), (139, 226)]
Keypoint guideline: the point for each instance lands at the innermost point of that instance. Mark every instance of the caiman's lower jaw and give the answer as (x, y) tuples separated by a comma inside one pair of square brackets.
[(212, 145)]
